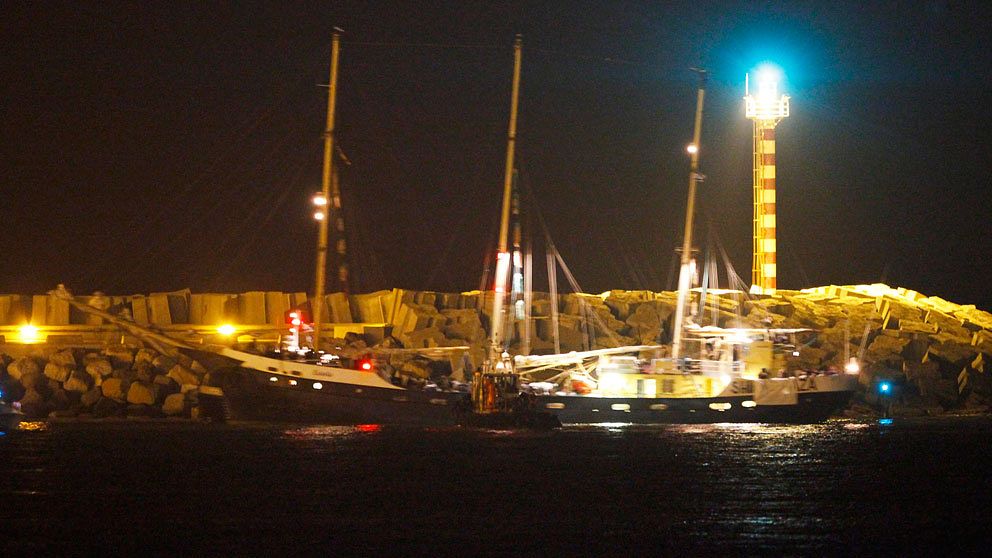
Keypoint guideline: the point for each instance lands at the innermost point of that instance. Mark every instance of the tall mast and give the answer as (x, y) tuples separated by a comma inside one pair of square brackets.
[(503, 255), (694, 177), (325, 189)]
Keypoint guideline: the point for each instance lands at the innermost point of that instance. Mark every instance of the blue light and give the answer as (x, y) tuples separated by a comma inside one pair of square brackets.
[(884, 387), (885, 421)]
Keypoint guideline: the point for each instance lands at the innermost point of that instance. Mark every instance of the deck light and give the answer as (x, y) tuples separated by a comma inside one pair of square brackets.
[(852, 366)]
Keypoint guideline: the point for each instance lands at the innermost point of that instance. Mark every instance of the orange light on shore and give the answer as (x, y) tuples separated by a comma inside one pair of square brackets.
[(226, 329), (29, 334)]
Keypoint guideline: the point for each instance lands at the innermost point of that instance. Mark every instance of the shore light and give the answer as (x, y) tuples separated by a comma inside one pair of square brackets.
[(29, 334), (319, 200), (885, 388), (226, 329), (692, 149)]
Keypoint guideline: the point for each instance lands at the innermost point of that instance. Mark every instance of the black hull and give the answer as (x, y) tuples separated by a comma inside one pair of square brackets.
[(577, 409), (250, 396)]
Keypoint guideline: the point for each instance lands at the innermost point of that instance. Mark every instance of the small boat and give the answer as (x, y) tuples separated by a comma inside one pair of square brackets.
[(10, 417)]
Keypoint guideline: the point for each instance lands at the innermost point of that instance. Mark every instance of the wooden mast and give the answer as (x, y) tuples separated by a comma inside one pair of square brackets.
[(503, 254), (694, 177), (325, 188)]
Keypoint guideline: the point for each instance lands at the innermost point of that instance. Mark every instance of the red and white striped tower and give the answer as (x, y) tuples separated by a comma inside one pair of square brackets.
[(766, 109)]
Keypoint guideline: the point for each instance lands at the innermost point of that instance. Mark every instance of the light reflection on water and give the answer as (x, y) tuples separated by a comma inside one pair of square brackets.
[(837, 488)]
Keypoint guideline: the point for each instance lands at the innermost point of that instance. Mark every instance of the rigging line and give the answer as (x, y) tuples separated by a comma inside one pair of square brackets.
[(428, 45), (566, 271), (248, 126), (609, 59), (240, 255)]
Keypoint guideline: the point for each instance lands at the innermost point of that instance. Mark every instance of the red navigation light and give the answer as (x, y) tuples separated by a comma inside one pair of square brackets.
[(296, 317), (365, 365)]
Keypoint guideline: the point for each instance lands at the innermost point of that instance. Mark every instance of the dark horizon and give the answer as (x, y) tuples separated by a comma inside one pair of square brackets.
[(158, 148)]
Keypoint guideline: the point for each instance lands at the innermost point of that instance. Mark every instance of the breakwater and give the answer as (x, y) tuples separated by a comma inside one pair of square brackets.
[(934, 351)]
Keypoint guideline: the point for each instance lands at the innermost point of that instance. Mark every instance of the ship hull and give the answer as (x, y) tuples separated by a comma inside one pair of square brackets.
[(251, 395), (581, 409)]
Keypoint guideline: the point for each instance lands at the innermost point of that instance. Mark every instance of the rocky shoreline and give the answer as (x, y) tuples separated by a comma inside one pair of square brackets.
[(933, 352), (114, 382)]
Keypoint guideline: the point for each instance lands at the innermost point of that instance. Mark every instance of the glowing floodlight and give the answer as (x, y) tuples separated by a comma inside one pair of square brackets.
[(692, 149), (852, 366), (29, 334), (319, 200), (319, 215), (226, 329)]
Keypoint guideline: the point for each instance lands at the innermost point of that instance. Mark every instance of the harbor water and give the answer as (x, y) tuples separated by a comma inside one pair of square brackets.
[(841, 488)]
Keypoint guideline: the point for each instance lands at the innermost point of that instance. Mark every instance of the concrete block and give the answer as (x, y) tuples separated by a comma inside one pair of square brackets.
[(158, 309), (373, 308), (251, 308), (139, 309), (340, 309), (276, 305)]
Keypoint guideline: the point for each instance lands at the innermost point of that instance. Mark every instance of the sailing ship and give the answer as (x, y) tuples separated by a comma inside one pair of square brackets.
[(303, 383), (711, 374)]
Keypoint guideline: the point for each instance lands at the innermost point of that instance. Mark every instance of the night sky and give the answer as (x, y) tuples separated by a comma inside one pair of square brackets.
[(154, 146)]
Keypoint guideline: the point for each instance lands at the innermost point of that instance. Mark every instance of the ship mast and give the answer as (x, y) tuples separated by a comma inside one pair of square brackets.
[(503, 254), (694, 177), (325, 189)]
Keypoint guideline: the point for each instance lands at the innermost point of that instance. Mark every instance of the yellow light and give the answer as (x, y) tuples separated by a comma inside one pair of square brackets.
[(29, 334), (226, 329), (318, 215), (692, 149), (319, 200)]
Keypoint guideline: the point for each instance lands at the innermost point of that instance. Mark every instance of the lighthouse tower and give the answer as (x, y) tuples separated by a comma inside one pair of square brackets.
[(766, 108)]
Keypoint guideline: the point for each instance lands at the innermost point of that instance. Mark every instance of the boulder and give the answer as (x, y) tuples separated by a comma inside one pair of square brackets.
[(79, 382), (114, 388), (418, 368), (144, 372), (24, 365), (174, 404), (182, 375), (145, 356), (120, 356), (423, 338), (63, 357), (887, 350), (951, 349), (91, 398), (99, 367), (142, 393), (33, 380), (58, 372), (163, 363), (166, 386)]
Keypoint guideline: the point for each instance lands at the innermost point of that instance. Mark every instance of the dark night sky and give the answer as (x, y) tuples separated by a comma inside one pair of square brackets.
[(156, 146)]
